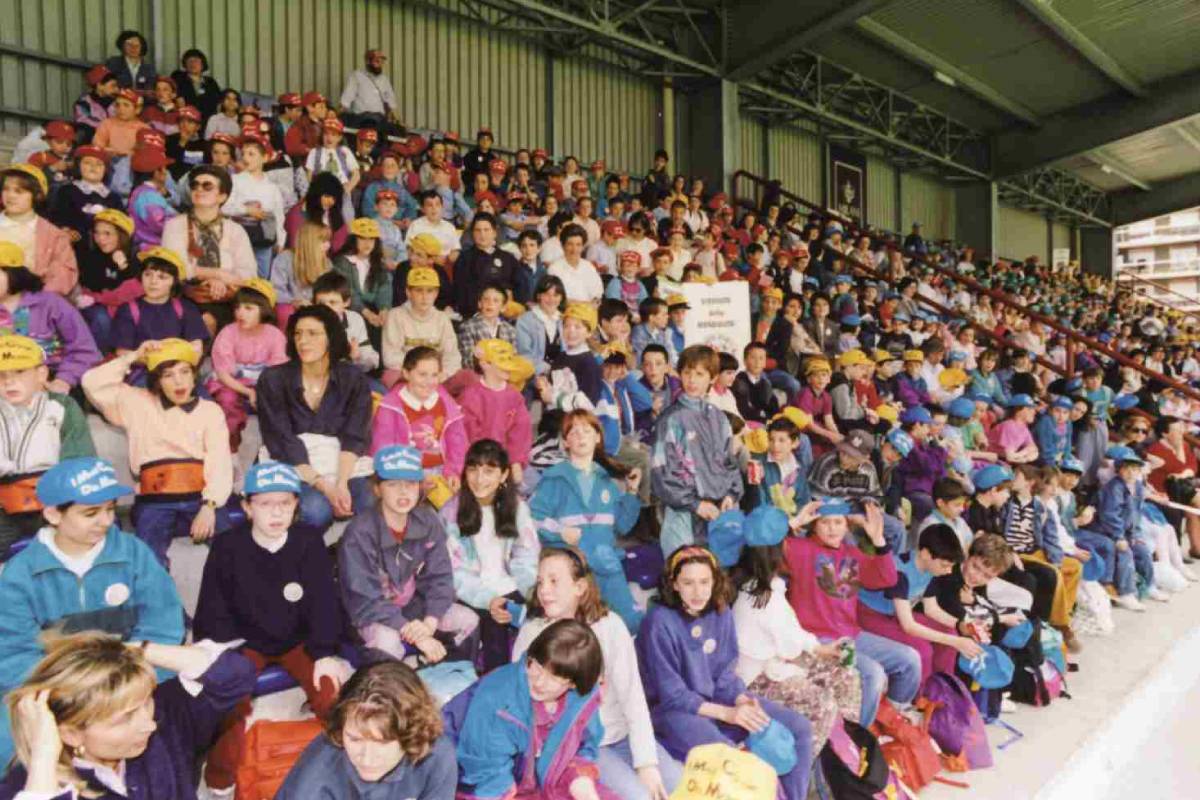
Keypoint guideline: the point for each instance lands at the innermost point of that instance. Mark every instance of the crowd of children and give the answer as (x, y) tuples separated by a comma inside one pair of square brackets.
[(479, 364)]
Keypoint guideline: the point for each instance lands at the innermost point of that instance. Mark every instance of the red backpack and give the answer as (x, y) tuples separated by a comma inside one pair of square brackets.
[(907, 748)]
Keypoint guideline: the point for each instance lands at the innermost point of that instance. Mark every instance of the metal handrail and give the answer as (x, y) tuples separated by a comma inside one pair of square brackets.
[(1133, 278), (1074, 338)]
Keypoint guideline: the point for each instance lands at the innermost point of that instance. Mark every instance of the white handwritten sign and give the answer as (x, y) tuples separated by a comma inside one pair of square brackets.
[(719, 316)]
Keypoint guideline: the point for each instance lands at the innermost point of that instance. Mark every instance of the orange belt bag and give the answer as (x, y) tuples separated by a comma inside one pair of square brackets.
[(172, 477), (19, 495)]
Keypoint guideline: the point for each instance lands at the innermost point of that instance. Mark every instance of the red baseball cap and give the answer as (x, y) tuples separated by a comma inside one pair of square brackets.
[(333, 124), (540, 153), (128, 94), (633, 256), (731, 249), (167, 79), (190, 112), (97, 75), (488, 196), (149, 137), (252, 109), (613, 227), (59, 129), (451, 136), (497, 166), (312, 98), (224, 138), (368, 135), (289, 99), (90, 151), (598, 164), (149, 159)]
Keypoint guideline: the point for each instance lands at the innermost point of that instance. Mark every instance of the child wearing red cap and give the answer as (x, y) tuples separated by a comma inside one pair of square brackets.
[(118, 133), (56, 160), (335, 158), (78, 201), (163, 113), (305, 133), (92, 106)]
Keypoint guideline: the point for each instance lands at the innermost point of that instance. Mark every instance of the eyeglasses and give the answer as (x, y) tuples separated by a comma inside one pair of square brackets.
[(1140, 431), (204, 186)]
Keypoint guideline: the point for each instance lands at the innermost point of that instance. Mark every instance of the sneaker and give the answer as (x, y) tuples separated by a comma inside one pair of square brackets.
[(1071, 641), (1129, 602), (1158, 595), (1189, 575), (1007, 706)]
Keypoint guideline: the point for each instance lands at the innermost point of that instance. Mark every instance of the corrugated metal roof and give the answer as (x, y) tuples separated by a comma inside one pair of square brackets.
[(1151, 38), (997, 43)]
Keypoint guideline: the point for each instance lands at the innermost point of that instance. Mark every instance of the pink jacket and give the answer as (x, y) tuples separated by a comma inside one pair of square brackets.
[(501, 416), (55, 258), (391, 427)]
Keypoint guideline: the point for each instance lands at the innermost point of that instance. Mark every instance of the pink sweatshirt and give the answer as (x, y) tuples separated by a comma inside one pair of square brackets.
[(244, 355), (823, 590), (448, 437), (499, 415)]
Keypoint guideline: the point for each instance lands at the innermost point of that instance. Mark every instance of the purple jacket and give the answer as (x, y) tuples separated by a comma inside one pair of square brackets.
[(186, 726), (59, 328), (921, 468)]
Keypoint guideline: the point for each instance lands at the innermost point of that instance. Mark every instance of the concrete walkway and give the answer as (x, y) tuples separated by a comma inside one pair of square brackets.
[(1128, 730)]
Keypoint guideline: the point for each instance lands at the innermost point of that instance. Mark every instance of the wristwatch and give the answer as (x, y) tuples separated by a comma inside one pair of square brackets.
[(211, 505)]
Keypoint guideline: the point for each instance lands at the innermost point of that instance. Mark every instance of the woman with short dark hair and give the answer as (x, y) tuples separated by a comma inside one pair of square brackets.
[(196, 88), (315, 414), (133, 68)]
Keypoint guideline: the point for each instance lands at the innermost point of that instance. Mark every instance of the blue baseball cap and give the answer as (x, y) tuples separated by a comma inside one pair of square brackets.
[(841, 278), (1122, 454), (962, 407), (851, 319), (1021, 401), (901, 316), (1018, 636), (87, 480), (992, 669), (809, 280), (834, 507), (775, 745), (891, 294), (991, 476), (1124, 402), (916, 414), (1074, 384), (1063, 402), (901, 441), (955, 356), (271, 476), (1071, 464), (725, 537), (765, 526), (399, 462)]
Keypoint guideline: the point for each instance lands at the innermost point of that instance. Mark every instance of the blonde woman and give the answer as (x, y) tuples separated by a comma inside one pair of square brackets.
[(294, 271), (93, 721)]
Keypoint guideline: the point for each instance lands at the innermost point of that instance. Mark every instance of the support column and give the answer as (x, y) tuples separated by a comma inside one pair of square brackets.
[(666, 127), (975, 216), (1096, 246), (551, 127), (713, 137)]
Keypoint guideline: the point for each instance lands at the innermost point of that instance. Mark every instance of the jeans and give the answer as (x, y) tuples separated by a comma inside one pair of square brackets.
[(317, 514), (782, 379), (1102, 550), (883, 663), (1136, 560), (157, 522), (100, 324), (263, 257), (615, 762), (895, 534)]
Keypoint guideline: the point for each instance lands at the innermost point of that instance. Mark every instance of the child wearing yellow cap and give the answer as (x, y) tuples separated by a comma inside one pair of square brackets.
[(46, 248), (38, 429), (242, 351), (417, 322), (178, 443), (494, 408), (109, 272), (361, 261), (45, 317)]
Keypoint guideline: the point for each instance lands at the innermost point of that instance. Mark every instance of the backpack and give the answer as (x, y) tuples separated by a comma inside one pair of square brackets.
[(1027, 681), (955, 724), (853, 765), (272, 748), (135, 310), (907, 748)]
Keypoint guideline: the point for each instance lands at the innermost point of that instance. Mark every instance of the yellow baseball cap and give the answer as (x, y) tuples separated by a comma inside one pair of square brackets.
[(512, 310), (885, 355), (757, 440), (797, 416), (952, 378), (20, 352), (914, 355), (31, 171), (424, 277), (172, 350), (817, 365), (118, 219), (584, 312), (368, 228), (719, 770), (775, 292), (502, 355), (11, 255), (263, 287), (854, 357), (169, 256), (887, 412), (424, 243)]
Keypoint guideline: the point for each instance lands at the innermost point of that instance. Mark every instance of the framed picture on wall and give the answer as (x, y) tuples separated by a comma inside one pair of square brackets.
[(847, 183)]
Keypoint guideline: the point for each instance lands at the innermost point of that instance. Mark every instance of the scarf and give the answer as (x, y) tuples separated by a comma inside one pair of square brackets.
[(204, 241)]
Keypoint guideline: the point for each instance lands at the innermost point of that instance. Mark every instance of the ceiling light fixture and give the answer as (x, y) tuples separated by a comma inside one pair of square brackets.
[(942, 77)]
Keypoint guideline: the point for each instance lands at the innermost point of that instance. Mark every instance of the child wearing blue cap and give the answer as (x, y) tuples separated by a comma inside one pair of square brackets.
[(826, 573), (395, 572), (1053, 432), (777, 658), (985, 381), (81, 572), (687, 652), (925, 463), (274, 589), (1118, 509), (1012, 439)]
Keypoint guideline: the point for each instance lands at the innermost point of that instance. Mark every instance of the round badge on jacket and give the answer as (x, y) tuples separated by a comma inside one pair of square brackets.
[(116, 594), (293, 592)]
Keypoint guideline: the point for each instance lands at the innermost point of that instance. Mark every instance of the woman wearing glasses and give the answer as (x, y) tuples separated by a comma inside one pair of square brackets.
[(216, 250)]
